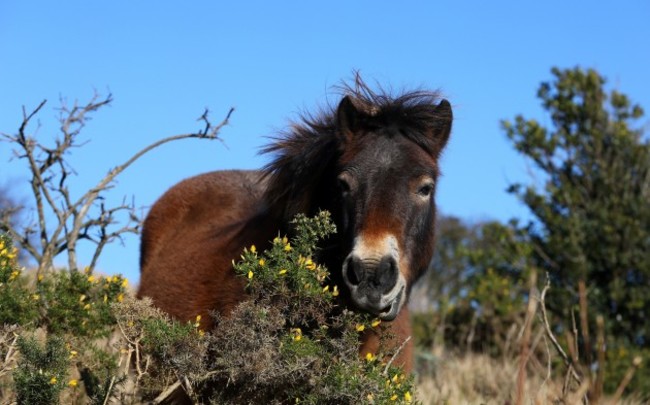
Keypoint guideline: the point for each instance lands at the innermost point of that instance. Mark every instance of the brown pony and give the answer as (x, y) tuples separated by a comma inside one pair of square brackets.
[(372, 162)]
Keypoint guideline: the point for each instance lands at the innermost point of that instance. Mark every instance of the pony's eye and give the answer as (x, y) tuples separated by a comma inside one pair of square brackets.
[(344, 186), (425, 190)]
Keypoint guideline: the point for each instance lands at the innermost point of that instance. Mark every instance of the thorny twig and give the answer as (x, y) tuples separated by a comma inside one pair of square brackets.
[(108, 391), (397, 352), (10, 355), (134, 348)]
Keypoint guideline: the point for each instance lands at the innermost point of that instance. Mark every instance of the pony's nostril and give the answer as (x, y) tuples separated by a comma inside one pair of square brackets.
[(354, 271), (387, 274)]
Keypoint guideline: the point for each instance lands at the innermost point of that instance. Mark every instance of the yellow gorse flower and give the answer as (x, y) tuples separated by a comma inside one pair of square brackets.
[(335, 291), (8, 254), (375, 323), (282, 272), (250, 274), (394, 397), (370, 356), (360, 327), (261, 262), (297, 334), (407, 396), (72, 383), (91, 278), (253, 249), (310, 265), (53, 380), (120, 297), (287, 247)]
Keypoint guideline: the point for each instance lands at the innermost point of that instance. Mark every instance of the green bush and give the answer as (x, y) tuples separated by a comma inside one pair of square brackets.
[(71, 310), (290, 342), (78, 303), (18, 305), (41, 374)]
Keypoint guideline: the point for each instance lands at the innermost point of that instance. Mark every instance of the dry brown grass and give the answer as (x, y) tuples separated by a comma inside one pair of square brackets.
[(481, 379)]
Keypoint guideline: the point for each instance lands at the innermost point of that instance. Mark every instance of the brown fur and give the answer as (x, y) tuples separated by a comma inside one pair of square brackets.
[(197, 228)]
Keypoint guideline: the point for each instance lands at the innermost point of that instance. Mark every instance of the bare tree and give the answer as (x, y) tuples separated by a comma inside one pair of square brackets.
[(61, 219)]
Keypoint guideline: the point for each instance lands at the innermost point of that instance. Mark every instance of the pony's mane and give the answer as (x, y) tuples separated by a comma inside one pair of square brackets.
[(308, 149)]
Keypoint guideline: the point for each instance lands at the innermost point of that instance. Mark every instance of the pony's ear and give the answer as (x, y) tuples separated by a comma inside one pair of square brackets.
[(349, 118), (441, 128)]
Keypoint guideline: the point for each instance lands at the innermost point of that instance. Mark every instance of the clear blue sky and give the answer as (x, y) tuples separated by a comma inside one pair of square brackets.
[(165, 61)]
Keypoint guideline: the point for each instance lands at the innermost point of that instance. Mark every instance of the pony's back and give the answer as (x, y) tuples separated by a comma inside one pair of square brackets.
[(190, 237)]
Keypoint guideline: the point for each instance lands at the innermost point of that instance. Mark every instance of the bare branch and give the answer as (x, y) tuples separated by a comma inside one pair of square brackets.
[(525, 339), (597, 390), (76, 218), (584, 320), (86, 201), (167, 393), (629, 374), (551, 336)]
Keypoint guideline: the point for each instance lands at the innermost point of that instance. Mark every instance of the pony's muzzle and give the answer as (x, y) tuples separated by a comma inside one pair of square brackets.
[(376, 285)]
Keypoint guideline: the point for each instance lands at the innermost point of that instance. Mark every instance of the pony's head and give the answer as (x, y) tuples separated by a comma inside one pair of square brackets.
[(373, 162)]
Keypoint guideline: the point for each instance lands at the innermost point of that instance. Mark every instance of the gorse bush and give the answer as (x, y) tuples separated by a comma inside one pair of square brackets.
[(17, 304), (79, 302), (51, 324), (41, 374), (287, 275), (72, 302), (313, 343), (290, 342)]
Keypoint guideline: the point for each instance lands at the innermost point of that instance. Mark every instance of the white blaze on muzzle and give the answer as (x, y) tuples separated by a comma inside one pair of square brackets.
[(372, 272)]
